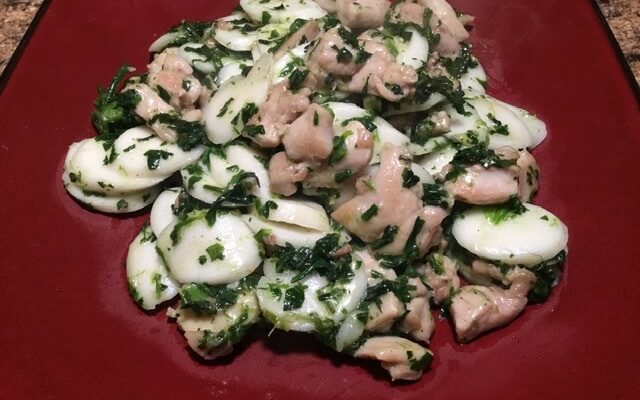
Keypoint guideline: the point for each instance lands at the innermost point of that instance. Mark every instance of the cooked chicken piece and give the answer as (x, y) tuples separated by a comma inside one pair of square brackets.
[(478, 309), (396, 207), (443, 22), (395, 203), (418, 323), (323, 59), (487, 272), (428, 236), (197, 328), (362, 14), (307, 33), (411, 12), (173, 74), (384, 312), (149, 106), (310, 137), (442, 278), (381, 75), (479, 185), (281, 108), (284, 174), (448, 18), (358, 143), (528, 177), (375, 272), (403, 358)]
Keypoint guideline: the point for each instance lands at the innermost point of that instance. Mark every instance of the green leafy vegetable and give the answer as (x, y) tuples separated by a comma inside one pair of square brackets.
[(498, 213), (435, 195), (387, 237), (306, 260), (187, 32), (205, 299), (190, 133), (498, 128), (294, 297), (547, 274), (460, 65), (154, 157), (409, 179), (114, 112), (370, 213), (215, 252)]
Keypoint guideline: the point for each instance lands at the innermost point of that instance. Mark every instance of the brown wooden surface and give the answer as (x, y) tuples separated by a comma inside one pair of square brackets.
[(623, 17)]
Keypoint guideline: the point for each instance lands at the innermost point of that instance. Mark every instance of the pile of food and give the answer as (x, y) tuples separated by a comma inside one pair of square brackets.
[(332, 167)]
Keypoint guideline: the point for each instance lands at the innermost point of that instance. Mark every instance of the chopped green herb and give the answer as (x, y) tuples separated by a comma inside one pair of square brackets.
[(409, 179), (499, 213), (266, 18), (122, 204), (436, 262), (498, 128), (215, 252), (387, 237), (154, 157), (435, 195), (297, 77), (370, 213), (162, 92), (460, 65), (156, 279), (339, 151), (306, 260), (225, 108), (265, 209), (294, 297), (253, 130), (187, 32), (190, 133), (343, 175), (205, 299), (114, 112), (394, 88)]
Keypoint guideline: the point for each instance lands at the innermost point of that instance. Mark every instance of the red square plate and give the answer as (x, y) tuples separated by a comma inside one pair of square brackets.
[(70, 330)]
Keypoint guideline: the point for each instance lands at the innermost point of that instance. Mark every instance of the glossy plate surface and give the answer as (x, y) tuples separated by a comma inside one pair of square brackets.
[(70, 330)]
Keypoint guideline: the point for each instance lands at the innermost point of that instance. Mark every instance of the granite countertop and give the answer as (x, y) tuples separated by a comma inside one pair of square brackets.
[(623, 17)]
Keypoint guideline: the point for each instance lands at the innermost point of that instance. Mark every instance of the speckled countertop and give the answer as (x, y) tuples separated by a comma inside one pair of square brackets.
[(623, 17)]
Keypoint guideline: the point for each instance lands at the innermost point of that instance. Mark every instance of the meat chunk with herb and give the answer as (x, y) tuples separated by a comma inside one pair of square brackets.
[(337, 53), (383, 312), (281, 108), (381, 75), (404, 359), (362, 14), (309, 138), (528, 176), (172, 77), (351, 153), (478, 309), (440, 273), (388, 211), (418, 322), (307, 33), (284, 174), (479, 185)]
